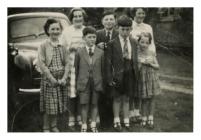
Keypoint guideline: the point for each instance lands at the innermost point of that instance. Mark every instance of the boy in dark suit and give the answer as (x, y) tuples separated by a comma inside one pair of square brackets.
[(121, 66), (105, 35), (89, 65), (109, 32)]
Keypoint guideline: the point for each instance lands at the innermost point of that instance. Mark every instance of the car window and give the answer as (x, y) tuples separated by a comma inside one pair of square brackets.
[(30, 28)]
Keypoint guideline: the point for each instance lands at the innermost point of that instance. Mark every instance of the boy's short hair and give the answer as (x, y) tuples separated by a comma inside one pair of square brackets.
[(108, 12), (89, 30), (145, 34), (124, 21), (49, 22)]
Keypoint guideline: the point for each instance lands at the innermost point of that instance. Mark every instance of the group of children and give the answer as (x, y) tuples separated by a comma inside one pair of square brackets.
[(113, 65)]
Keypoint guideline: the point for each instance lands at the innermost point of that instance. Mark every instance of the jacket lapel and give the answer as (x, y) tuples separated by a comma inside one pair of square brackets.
[(133, 49), (114, 34), (95, 56), (134, 55), (104, 35), (119, 49), (86, 55)]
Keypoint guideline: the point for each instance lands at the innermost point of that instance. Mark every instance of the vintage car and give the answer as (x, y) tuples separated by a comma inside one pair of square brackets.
[(25, 33)]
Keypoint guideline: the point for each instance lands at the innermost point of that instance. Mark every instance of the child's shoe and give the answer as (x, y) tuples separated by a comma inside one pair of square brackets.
[(46, 129), (127, 127), (150, 122), (54, 129), (71, 124), (79, 122), (144, 121), (98, 120), (127, 124), (93, 127), (137, 116), (131, 116), (117, 126), (84, 128)]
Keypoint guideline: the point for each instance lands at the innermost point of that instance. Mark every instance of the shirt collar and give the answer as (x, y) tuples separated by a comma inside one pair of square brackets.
[(122, 39), (92, 48), (106, 31), (55, 44)]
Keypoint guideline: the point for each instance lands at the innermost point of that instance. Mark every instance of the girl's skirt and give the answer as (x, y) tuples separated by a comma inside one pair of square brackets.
[(147, 82), (53, 100)]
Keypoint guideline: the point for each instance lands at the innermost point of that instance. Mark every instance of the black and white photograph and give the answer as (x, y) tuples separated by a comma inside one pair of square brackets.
[(100, 69)]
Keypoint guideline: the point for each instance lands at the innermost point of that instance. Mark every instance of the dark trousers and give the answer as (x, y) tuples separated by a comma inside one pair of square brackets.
[(105, 109)]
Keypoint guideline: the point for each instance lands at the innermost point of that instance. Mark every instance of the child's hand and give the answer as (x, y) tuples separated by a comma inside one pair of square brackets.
[(148, 61), (54, 83), (72, 49), (62, 82), (112, 83), (101, 45)]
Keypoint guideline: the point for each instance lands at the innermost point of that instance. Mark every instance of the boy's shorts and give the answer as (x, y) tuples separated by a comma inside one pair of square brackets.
[(89, 98)]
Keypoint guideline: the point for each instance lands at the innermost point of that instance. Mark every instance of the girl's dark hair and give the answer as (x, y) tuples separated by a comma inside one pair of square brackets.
[(88, 30), (124, 21), (77, 9), (134, 10), (49, 22), (145, 34)]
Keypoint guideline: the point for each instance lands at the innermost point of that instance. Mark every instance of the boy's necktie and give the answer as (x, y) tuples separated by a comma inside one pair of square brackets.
[(125, 49), (90, 52), (108, 37)]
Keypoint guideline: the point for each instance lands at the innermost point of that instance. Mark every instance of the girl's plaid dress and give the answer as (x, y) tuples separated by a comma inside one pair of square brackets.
[(148, 80), (53, 100)]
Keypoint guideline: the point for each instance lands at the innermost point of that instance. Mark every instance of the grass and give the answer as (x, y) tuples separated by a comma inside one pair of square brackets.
[(174, 113), (173, 64)]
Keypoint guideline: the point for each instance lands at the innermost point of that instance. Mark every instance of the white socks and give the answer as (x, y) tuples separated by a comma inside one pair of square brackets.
[(84, 126), (126, 122), (98, 119), (116, 120), (93, 124), (71, 121), (144, 118), (151, 117), (136, 112)]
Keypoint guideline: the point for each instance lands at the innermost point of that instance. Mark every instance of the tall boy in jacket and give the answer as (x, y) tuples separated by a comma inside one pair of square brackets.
[(121, 66), (104, 36)]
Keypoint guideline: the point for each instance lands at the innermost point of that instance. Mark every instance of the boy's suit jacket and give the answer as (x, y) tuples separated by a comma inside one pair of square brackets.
[(114, 61), (101, 35), (82, 67)]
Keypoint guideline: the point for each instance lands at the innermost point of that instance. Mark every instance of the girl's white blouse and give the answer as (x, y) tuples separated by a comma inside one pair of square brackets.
[(142, 27), (72, 37)]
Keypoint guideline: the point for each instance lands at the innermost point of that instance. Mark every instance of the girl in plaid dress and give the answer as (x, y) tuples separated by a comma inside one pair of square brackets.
[(147, 81), (52, 60)]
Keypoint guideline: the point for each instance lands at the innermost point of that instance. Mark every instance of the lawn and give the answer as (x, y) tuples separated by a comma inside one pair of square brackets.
[(174, 113)]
